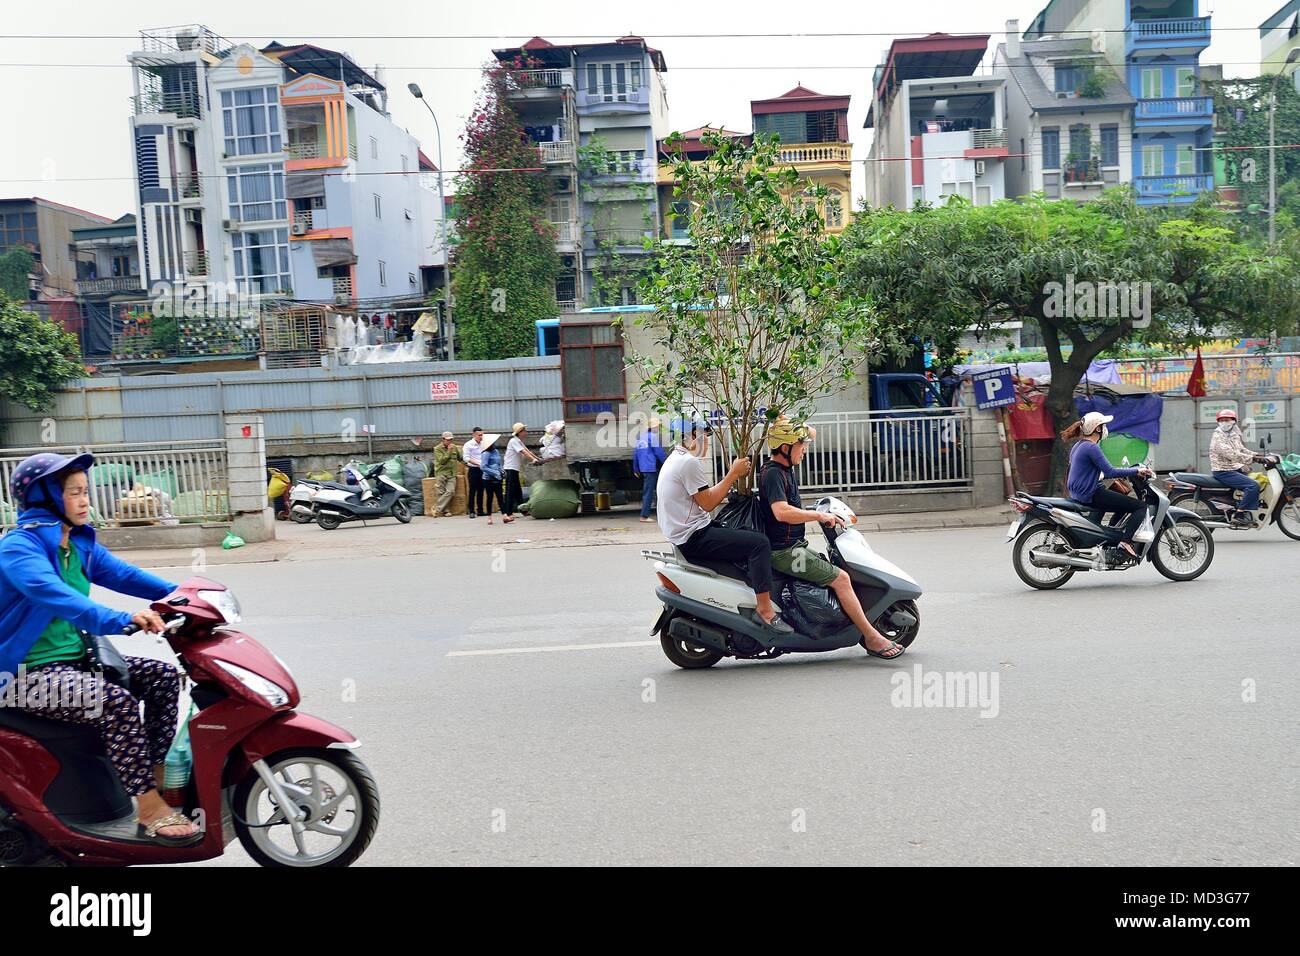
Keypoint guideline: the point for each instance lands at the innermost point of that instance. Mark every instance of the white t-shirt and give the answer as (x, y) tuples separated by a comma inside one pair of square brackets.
[(473, 453), (514, 454), (681, 476)]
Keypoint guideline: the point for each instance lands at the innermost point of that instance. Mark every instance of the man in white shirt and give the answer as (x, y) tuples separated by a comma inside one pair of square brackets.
[(473, 452), (685, 500), (516, 452)]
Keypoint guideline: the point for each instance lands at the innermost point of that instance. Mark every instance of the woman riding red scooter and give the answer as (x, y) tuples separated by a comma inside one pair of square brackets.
[(47, 565)]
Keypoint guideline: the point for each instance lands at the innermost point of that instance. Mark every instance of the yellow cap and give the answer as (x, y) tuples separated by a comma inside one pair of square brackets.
[(516, 428), (785, 432)]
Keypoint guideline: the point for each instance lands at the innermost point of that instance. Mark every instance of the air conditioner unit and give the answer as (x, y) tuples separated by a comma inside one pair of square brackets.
[(342, 298), (194, 217), (229, 225), (979, 167), (566, 261), (186, 137), (298, 228)]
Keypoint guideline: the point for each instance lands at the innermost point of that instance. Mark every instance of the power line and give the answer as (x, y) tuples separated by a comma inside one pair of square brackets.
[(279, 70)]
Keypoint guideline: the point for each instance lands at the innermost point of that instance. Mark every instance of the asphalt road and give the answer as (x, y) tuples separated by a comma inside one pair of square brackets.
[(1118, 735)]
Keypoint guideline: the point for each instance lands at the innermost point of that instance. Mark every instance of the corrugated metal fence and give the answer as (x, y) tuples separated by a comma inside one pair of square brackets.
[(315, 404)]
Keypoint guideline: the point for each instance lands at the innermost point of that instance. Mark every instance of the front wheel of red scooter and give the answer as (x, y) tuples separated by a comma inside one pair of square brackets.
[(335, 795)]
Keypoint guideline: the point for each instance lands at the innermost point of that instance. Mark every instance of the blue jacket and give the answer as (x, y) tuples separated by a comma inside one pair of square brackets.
[(33, 592), (648, 454), (1087, 467), (490, 462)]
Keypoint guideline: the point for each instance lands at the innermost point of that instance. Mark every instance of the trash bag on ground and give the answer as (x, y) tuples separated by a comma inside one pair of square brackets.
[(557, 498), (232, 540), (394, 467)]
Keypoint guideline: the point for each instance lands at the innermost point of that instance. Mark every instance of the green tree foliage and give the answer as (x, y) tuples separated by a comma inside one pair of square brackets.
[(37, 359), (938, 270), (15, 266), (1241, 105), (504, 262), (751, 318)]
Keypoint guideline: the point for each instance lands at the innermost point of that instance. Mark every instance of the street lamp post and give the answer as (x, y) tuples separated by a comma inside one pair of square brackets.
[(442, 208), (1272, 148)]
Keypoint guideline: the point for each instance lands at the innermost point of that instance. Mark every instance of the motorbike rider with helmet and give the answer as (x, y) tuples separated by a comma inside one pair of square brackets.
[(1229, 458), (785, 517), (47, 564), (1088, 466)]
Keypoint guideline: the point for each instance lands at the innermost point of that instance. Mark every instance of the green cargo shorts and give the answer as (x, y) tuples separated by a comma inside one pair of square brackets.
[(801, 561)]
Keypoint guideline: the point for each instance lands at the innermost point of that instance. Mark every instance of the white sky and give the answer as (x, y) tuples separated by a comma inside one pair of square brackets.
[(65, 128)]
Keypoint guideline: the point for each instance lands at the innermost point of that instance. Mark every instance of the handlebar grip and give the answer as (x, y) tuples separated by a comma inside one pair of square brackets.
[(130, 629)]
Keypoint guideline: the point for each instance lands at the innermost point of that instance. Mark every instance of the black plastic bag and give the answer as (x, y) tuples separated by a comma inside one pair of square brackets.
[(811, 610), (741, 513)]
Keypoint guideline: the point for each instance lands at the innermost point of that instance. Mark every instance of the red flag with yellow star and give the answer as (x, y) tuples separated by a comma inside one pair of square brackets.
[(1196, 384)]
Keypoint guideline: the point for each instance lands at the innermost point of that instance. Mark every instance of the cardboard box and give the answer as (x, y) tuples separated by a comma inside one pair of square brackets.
[(459, 498)]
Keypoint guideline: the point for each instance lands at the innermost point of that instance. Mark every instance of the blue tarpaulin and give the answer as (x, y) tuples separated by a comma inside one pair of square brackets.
[(1138, 415)]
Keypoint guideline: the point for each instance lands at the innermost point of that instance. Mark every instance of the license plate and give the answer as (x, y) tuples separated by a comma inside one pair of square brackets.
[(1011, 532)]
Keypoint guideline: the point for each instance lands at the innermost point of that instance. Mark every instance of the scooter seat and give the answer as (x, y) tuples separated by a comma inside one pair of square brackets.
[(1200, 481), (728, 569), (338, 486), (1065, 504)]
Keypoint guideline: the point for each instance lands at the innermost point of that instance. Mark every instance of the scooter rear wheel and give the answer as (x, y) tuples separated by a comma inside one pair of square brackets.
[(687, 655), (300, 518), (327, 521), (333, 787), (1043, 537)]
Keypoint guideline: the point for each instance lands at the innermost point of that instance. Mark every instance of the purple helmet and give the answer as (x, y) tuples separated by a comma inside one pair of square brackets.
[(29, 486)]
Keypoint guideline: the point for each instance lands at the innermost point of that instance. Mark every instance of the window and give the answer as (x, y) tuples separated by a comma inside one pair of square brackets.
[(1068, 79), (614, 82), (1153, 160), (834, 209), (379, 211), (918, 194), (1186, 81), (966, 191), (1186, 160), (383, 272), (374, 148), (1052, 148), (18, 229), (983, 195), (1110, 145), (625, 161), (681, 218), (947, 189), (591, 370), (262, 260), (256, 193), (1153, 84), (1081, 142), (251, 121)]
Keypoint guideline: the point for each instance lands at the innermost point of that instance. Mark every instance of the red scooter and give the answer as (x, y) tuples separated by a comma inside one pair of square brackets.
[(287, 784)]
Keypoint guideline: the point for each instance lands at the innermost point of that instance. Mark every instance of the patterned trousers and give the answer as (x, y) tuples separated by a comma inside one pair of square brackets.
[(61, 691)]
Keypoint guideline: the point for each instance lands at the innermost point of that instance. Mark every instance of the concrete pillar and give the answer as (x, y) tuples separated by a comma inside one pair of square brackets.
[(251, 515), (986, 458)]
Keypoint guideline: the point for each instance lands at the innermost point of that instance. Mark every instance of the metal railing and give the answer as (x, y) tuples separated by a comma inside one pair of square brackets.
[(1175, 107), (342, 287), (521, 80), (186, 105), (303, 219), (306, 150), (184, 38), (1082, 171), (564, 231), (816, 153), (196, 263), (1224, 374), (865, 452), (142, 484), (559, 152), (621, 238), (189, 186), (109, 284), (596, 97), (1180, 27), (1191, 184), (988, 138)]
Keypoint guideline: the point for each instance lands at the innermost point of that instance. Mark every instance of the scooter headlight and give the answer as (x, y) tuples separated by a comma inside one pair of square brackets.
[(271, 692), (225, 602)]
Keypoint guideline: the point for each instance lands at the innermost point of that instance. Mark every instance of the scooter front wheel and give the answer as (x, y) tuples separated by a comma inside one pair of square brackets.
[(900, 633), (1182, 551), (335, 797), (401, 511)]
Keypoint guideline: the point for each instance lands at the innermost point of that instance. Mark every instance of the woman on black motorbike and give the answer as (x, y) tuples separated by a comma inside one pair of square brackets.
[(1088, 467)]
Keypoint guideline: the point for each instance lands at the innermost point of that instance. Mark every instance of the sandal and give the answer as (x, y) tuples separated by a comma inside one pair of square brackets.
[(171, 820), (889, 653)]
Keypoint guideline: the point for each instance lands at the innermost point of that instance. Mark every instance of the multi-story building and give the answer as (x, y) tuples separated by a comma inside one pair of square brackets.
[(46, 230), (595, 112), (939, 130), (814, 132), (1069, 117), (674, 212), (108, 273), (278, 169), (1279, 35), (1155, 45)]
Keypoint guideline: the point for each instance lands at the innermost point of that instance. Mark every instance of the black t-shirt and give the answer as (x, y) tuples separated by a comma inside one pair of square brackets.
[(778, 483)]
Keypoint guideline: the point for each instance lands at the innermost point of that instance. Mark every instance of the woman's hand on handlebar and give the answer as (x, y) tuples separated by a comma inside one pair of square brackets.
[(1145, 472), (148, 620)]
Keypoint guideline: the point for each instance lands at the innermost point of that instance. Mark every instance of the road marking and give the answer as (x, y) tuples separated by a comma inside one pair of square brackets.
[(550, 647)]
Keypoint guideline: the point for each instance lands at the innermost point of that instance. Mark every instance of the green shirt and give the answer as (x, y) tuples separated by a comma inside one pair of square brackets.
[(444, 460), (60, 641)]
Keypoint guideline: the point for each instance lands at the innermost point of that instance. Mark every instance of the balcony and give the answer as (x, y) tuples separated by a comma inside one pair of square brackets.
[(196, 263), (185, 104), (342, 288), (538, 84), (185, 39), (623, 169), (621, 240), (1189, 34), (314, 149), (615, 96), (189, 186), (988, 139), (1178, 188), (816, 153), (557, 154), (1085, 172), (1189, 112), (305, 220), (109, 285)]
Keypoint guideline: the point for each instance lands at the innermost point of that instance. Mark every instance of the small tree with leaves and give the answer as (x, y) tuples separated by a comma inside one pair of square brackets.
[(751, 319), (15, 267), (37, 358)]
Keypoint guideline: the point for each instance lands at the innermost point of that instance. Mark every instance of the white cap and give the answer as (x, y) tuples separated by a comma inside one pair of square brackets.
[(1094, 420)]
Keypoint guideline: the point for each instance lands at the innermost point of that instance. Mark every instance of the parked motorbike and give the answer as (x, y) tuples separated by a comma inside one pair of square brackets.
[(1055, 537), (288, 785), (306, 491), (710, 612), (330, 503), (1279, 500)]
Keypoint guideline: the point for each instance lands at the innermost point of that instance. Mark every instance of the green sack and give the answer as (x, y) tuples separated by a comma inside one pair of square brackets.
[(1290, 467), (232, 540), (393, 468), (112, 473), (164, 480), (554, 498)]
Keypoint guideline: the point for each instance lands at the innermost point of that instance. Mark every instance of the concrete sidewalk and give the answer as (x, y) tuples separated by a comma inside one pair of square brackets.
[(388, 538)]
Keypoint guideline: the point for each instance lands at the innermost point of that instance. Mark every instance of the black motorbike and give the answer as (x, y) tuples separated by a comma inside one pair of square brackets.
[(1055, 537), (377, 496)]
